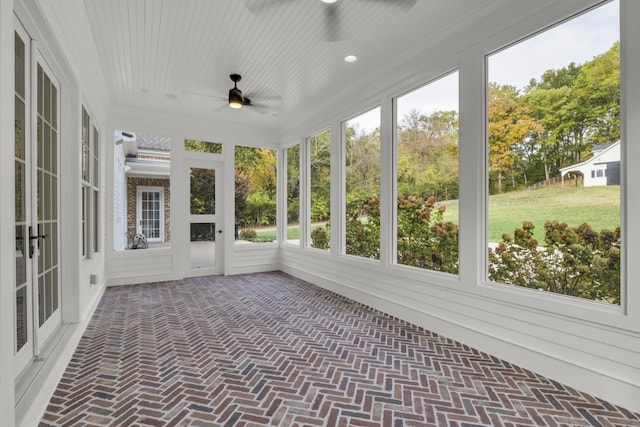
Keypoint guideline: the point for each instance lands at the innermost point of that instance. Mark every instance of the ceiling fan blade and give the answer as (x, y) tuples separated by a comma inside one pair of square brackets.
[(333, 27), (260, 109), (258, 6), (404, 4), (216, 97)]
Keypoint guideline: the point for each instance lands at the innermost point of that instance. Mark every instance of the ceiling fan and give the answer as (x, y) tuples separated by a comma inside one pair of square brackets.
[(236, 99), (332, 12)]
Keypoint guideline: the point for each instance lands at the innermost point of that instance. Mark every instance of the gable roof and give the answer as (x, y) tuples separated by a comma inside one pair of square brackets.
[(597, 151)]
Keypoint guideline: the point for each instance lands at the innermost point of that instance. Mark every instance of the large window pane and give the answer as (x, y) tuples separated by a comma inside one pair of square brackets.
[(293, 194), (554, 159), (362, 174), (255, 196), (320, 168), (427, 176)]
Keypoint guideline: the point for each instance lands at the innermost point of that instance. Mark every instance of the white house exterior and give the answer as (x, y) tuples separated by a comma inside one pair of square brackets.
[(603, 168)]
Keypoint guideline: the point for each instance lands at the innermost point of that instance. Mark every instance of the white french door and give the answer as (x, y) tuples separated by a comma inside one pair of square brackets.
[(37, 290), (151, 213)]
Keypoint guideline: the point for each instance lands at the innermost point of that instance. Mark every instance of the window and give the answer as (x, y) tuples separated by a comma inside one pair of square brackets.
[(255, 194), (548, 115), (202, 146), (427, 176), (293, 194), (141, 190), (362, 185), (320, 189), (90, 186)]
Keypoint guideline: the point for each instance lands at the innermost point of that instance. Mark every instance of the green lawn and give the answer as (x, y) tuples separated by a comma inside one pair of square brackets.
[(597, 206)]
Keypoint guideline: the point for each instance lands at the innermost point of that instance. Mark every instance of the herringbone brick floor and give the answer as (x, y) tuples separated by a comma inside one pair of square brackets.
[(271, 350)]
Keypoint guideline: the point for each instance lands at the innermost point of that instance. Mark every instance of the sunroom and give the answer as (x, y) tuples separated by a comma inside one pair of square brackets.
[(401, 154)]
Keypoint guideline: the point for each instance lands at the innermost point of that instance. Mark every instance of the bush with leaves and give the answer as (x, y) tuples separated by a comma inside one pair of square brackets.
[(320, 237), (425, 240), (363, 230), (576, 261), (250, 235)]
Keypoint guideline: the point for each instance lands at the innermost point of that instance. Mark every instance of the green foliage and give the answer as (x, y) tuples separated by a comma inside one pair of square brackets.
[(202, 146), (320, 169), (427, 154), (556, 121), (261, 208), (320, 237), (293, 184), (363, 235), (255, 186), (576, 261), (424, 239), (202, 191), (320, 208)]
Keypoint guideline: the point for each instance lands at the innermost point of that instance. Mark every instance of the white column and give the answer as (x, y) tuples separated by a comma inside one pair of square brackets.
[(7, 214)]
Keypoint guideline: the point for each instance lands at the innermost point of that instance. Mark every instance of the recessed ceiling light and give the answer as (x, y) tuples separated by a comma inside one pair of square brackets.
[(350, 58), (329, 1)]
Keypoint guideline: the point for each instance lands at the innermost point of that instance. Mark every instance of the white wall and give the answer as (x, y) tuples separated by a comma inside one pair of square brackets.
[(590, 346), (599, 162), (119, 199)]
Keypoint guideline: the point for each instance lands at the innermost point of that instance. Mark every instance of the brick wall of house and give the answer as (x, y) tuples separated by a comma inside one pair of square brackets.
[(132, 204)]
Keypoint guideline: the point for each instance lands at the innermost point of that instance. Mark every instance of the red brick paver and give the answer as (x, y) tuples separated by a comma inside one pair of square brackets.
[(271, 350)]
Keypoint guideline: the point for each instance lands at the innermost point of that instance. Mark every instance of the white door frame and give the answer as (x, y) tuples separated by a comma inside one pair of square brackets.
[(217, 218)]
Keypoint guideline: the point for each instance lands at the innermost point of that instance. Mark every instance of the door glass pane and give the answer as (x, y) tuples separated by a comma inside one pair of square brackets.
[(19, 127), (21, 317), (203, 245), (21, 245), (20, 66), (47, 196), (203, 191), (150, 214)]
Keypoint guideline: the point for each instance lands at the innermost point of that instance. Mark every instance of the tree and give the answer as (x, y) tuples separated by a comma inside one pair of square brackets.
[(427, 154), (510, 123), (320, 168)]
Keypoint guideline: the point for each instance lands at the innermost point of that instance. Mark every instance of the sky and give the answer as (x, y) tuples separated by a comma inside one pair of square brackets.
[(577, 40)]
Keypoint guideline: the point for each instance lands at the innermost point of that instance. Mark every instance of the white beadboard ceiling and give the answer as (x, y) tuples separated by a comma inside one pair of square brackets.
[(176, 55)]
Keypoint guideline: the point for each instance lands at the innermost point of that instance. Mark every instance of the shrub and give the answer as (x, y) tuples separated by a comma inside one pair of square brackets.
[(249, 235), (576, 261), (320, 237)]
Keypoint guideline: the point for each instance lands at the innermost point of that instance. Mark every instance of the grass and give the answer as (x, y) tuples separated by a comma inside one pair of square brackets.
[(597, 206)]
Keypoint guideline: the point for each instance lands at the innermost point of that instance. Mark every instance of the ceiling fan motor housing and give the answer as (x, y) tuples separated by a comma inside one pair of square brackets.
[(236, 99)]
